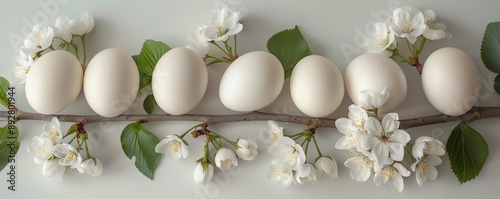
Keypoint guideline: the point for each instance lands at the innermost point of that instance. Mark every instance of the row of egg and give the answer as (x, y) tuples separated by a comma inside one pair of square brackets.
[(251, 82)]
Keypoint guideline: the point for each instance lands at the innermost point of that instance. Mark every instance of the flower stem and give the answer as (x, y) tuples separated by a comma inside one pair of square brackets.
[(82, 38), (317, 147), (72, 139), (87, 152), (205, 148), (76, 50), (308, 139), (218, 46), (224, 138), (189, 130), (421, 46), (235, 47)]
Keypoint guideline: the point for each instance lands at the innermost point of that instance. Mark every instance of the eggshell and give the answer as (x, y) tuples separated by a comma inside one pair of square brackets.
[(449, 80), (373, 72), (180, 80), (53, 82), (111, 82), (251, 82), (316, 86)]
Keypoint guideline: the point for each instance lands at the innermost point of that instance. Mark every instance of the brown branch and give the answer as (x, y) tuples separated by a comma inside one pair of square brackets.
[(475, 113)]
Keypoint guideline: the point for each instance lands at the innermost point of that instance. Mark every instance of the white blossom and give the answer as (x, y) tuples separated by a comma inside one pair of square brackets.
[(381, 40), (225, 159), (370, 100), (306, 173), (275, 131), (66, 27), (39, 39), (173, 146), (42, 148), (280, 172), (246, 149), (435, 31), (225, 23), (201, 175), (425, 169), (53, 170), (392, 175), (22, 65), (408, 22), (385, 139), (199, 42), (53, 131), (361, 165), (68, 155), (352, 135), (326, 165), (427, 145), (92, 167), (288, 152)]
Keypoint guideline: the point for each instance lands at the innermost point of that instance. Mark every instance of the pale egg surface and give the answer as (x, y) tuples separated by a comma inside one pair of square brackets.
[(111, 82), (251, 82), (316, 86), (373, 72), (53, 82), (450, 81), (180, 79)]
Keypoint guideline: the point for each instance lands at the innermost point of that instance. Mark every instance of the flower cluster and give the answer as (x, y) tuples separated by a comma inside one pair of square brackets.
[(175, 147), (377, 146), (291, 164), (406, 23), (56, 156), (43, 37), (226, 22)]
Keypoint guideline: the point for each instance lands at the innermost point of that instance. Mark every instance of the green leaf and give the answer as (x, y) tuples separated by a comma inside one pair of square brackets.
[(138, 142), (136, 59), (4, 88), (150, 54), (72, 129), (496, 84), (149, 104), (9, 145), (145, 80), (467, 151), (289, 46), (490, 47), (4, 85)]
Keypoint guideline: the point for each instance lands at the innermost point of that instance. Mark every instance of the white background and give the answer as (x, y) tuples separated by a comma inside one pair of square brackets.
[(328, 26)]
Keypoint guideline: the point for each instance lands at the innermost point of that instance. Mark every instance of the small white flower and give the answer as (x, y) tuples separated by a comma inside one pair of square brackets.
[(199, 42), (288, 152), (42, 148), (246, 149), (328, 165), (358, 116), (427, 145), (22, 65), (68, 155), (282, 173), (385, 140), (435, 31), (381, 40), (361, 166), (369, 100), (39, 39), (92, 167), (393, 176), (63, 28), (225, 158), (426, 169), (87, 22), (352, 136), (231, 4), (408, 23), (225, 23), (53, 131), (275, 131), (203, 175), (173, 146), (306, 173), (53, 170)]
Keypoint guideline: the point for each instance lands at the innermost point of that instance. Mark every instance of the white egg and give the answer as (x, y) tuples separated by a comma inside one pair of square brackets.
[(373, 72), (54, 82), (449, 80), (316, 86), (180, 79), (111, 82), (252, 82)]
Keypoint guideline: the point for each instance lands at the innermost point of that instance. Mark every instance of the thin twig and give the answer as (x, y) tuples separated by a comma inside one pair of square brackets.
[(475, 113)]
